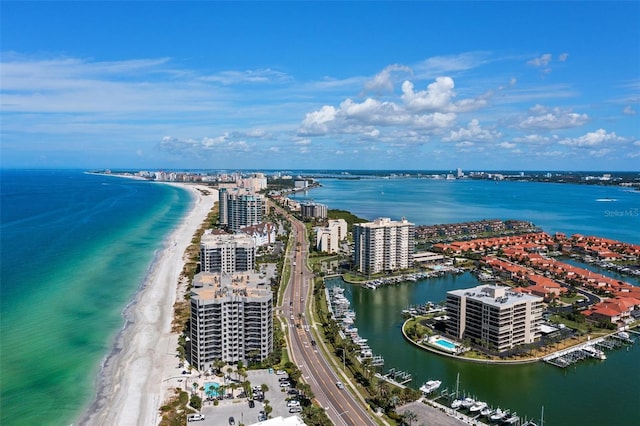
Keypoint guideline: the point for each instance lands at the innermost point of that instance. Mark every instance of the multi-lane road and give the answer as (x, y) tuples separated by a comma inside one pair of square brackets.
[(340, 404)]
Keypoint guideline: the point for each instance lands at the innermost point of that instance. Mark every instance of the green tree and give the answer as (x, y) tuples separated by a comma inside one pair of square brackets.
[(410, 417), (195, 402)]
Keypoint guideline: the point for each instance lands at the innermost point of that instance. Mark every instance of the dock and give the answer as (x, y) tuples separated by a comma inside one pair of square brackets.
[(592, 349)]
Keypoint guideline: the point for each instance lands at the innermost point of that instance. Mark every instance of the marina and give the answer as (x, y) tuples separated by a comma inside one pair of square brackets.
[(592, 349)]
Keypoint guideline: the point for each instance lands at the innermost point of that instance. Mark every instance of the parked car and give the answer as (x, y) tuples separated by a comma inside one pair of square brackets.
[(280, 372), (295, 410), (293, 403), (232, 421), (285, 384), (195, 417), (251, 403)]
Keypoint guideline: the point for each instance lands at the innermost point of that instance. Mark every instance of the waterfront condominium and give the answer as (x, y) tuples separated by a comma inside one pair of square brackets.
[(493, 317), (383, 245), (227, 253), (239, 208), (231, 319)]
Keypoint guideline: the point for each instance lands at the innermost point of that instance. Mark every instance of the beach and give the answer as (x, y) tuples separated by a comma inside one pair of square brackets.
[(136, 376)]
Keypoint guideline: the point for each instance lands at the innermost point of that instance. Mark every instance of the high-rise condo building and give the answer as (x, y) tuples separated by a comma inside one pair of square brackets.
[(493, 317), (231, 319), (239, 208), (227, 253), (313, 210), (383, 245)]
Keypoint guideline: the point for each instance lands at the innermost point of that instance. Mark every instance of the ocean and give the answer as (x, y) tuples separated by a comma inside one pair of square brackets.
[(75, 248)]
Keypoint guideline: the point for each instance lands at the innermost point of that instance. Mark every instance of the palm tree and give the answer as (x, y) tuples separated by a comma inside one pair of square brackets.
[(410, 416)]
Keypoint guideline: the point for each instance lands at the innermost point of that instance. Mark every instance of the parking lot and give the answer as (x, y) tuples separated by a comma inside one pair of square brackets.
[(239, 409)]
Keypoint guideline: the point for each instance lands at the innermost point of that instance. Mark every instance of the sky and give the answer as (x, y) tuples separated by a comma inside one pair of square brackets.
[(419, 85)]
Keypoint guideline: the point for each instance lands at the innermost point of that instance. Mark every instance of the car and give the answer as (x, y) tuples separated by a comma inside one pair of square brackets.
[(295, 410), (285, 384), (283, 379), (313, 343), (262, 416), (251, 403), (293, 403), (280, 372), (232, 421), (195, 417), (292, 392), (340, 385)]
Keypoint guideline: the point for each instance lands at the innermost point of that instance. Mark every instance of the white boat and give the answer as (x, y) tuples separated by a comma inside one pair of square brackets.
[(468, 402), (594, 353), (623, 334), (498, 415), (478, 406), (512, 419), (430, 386), (486, 412), (456, 404)]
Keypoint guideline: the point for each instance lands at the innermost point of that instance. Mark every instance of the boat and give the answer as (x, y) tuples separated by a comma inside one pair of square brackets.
[(468, 402), (594, 353), (430, 386), (623, 334), (486, 411), (512, 419), (456, 404), (498, 415), (478, 406)]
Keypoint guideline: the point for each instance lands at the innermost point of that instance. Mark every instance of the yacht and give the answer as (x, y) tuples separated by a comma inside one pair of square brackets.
[(478, 406), (594, 353), (456, 404), (486, 412), (498, 415), (468, 402), (430, 386)]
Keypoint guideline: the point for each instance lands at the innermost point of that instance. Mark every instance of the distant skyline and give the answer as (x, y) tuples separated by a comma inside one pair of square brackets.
[(321, 85)]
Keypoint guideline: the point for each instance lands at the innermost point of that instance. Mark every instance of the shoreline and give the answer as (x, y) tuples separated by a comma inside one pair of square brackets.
[(131, 385)]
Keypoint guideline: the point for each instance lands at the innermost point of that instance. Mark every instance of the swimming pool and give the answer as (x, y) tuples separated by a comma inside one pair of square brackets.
[(444, 344), (212, 389)]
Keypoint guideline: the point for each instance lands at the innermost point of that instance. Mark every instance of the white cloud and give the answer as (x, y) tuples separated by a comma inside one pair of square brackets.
[(473, 132), (437, 96), (628, 110), (385, 79), (441, 65), (317, 122), (599, 153), (563, 57), (540, 61), (266, 75), (590, 139), (507, 145), (555, 118)]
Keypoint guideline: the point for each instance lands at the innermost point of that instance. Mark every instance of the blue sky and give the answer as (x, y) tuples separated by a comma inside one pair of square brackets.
[(321, 85)]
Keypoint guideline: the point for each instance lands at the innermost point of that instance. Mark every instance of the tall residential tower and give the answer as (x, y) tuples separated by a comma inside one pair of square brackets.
[(383, 245)]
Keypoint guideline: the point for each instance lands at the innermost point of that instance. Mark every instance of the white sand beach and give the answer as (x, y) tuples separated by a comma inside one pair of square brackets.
[(136, 377)]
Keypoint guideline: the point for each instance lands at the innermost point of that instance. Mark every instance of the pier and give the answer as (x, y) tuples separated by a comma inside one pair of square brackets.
[(397, 376), (592, 349)]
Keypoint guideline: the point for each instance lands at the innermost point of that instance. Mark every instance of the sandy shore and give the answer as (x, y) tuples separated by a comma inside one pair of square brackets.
[(136, 376)]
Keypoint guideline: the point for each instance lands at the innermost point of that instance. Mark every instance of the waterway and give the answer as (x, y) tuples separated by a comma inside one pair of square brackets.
[(591, 392)]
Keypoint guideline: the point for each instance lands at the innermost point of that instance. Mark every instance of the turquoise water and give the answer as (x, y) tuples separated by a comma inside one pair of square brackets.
[(445, 344), (75, 248), (212, 392)]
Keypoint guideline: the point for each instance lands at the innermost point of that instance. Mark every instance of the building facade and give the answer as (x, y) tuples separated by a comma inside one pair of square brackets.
[(493, 317), (231, 319), (227, 253), (239, 208), (310, 210), (383, 245), (328, 237)]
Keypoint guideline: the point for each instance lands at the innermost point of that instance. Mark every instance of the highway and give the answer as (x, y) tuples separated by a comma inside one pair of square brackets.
[(340, 404)]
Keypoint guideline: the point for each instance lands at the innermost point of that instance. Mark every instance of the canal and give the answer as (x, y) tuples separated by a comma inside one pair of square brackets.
[(591, 392)]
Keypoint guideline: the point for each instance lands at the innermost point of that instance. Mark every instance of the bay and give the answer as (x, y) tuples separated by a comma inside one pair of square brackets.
[(589, 393)]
